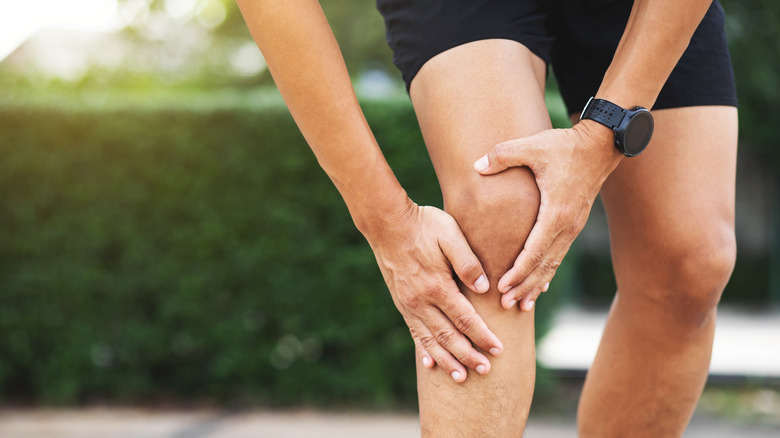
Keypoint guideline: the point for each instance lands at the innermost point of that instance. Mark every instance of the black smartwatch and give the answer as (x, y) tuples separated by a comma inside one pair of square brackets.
[(633, 127)]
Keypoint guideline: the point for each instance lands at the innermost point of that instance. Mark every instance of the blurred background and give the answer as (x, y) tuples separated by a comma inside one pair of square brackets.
[(169, 245)]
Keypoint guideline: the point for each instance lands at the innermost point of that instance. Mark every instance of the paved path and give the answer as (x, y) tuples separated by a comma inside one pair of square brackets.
[(747, 343), (132, 423)]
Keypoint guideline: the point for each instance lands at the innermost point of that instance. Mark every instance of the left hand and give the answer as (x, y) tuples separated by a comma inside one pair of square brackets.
[(569, 165)]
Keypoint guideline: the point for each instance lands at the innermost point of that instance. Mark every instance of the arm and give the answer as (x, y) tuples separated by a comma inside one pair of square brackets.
[(657, 34), (306, 64), (571, 165), (415, 246)]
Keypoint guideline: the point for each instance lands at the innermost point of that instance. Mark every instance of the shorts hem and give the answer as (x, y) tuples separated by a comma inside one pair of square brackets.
[(408, 74), (703, 101)]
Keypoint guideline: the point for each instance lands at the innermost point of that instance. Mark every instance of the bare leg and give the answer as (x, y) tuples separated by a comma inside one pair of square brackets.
[(467, 99), (671, 217)]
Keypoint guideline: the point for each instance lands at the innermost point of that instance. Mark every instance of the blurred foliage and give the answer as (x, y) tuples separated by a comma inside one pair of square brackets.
[(753, 27), (197, 253), (357, 25)]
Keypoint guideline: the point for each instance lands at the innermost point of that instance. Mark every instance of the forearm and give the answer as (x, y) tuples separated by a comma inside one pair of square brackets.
[(657, 34), (306, 63)]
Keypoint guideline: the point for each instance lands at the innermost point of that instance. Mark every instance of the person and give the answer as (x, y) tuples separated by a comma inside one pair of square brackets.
[(516, 192)]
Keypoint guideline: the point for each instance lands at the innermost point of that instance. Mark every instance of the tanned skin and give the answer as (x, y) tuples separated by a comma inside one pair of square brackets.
[(510, 217)]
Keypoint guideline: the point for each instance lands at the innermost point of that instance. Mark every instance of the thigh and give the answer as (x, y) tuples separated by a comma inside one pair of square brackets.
[(470, 98), (467, 99), (673, 206)]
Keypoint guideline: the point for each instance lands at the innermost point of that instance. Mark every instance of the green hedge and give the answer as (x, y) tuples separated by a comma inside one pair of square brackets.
[(191, 252)]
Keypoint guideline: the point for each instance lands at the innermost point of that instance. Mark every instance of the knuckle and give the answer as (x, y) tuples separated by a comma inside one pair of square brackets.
[(548, 267), (536, 257), (434, 292), (465, 322), (427, 341), (500, 153), (522, 291), (446, 338), (411, 301), (468, 268)]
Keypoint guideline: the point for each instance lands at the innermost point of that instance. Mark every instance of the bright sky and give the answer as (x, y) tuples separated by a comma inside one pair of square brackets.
[(21, 18)]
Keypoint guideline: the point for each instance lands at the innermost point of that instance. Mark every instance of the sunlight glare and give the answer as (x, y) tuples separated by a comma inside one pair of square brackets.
[(211, 13), (181, 9), (21, 19)]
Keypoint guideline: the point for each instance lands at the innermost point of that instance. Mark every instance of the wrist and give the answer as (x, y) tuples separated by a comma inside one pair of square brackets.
[(373, 195), (601, 139), (377, 218)]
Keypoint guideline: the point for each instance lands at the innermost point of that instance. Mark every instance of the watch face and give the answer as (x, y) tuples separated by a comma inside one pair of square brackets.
[(638, 132)]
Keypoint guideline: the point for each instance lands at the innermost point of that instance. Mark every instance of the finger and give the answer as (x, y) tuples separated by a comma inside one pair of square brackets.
[(465, 264), (541, 238), (441, 356), (547, 281), (541, 277), (525, 300), (528, 301), (463, 316), (538, 281), (425, 357), (504, 155), (533, 283), (448, 336)]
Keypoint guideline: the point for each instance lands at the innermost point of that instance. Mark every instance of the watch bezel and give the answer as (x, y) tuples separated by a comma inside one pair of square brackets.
[(620, 131)]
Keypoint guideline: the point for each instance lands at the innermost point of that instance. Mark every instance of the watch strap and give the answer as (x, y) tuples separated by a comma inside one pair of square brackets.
[(604, 112)]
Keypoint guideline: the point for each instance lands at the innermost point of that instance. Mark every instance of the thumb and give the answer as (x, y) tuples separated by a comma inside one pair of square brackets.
[(502, 156)]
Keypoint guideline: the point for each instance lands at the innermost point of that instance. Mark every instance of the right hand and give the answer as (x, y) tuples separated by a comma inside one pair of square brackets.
[(417, 251)]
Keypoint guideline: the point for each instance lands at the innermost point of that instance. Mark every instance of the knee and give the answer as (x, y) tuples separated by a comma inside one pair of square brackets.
[(495, 212), (512, 191), (697, 272)]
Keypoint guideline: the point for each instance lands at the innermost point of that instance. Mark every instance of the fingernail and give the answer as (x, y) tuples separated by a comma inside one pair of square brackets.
[(456, 376), (495, 351), (546, 286), (482, 369), (482, 284), (512, 303), (481, 164), (426, 361), (529, 306), (506, 289)]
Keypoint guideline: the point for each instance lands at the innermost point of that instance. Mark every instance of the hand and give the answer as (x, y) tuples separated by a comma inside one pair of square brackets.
[(570, 165), (416, 253)]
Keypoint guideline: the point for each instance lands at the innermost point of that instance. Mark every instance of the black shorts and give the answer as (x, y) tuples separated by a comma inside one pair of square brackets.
[(578, 37)]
